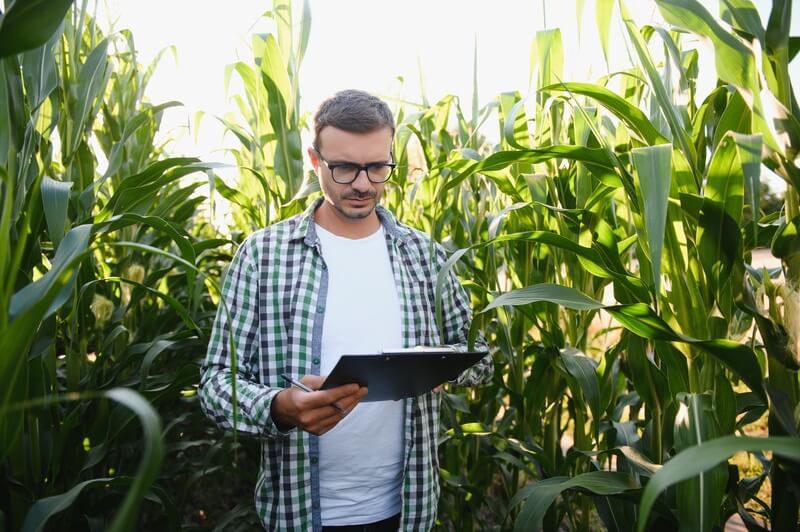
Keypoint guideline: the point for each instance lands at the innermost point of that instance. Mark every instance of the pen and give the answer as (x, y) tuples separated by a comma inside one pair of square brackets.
[(305, 388)]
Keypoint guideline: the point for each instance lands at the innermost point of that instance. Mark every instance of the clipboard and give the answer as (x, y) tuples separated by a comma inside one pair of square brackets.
[(400, 373)]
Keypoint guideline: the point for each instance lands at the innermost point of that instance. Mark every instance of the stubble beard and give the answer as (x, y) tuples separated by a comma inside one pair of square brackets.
[(356, 214)]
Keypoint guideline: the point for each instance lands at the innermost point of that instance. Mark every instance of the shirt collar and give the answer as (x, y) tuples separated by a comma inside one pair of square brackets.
[(306, 229)]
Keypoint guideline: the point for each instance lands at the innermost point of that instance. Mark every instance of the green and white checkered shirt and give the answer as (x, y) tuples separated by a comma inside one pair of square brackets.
[(276, 290)]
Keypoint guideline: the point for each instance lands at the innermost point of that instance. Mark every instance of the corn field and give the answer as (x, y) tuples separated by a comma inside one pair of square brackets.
[(646, 371)]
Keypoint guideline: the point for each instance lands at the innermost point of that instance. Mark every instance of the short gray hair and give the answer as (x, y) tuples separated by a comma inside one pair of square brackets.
[(352, 110)]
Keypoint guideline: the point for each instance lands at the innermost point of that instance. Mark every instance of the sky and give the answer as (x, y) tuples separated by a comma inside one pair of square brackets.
[(377, 45)]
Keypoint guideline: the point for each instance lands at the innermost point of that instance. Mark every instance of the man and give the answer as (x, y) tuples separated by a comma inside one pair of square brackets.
[(344, 276)]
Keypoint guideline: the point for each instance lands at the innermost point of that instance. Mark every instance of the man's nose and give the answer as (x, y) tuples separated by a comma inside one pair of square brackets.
[(362, 181)]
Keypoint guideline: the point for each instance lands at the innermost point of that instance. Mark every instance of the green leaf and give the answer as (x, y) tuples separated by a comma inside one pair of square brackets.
[(719, 240), (699, 498), (622, 108), (786, 241), (584, 370), (115, 159), (92, 80), (288, 153), (749, 149), (513, 120), (282, 15), (55, 201), (794, 47), (641, 320), (549, 57), (695, 460), (12, 112), (735, 62), (736, 117), (645, 376), (539, 496), (678, 129), (739, 358), (39, 73), (596, 160), (126, 517), (654, 167), (561, 295), (305, 32), (42, 510), (30, 23), (152, 456), (743, 15), (603, 18), (15, 341), (72, 247)]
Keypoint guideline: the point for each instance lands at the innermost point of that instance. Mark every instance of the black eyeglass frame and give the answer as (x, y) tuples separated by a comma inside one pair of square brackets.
[(359, 168)]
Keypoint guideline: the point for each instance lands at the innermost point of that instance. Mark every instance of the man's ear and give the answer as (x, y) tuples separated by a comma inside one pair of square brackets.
[(312, 156)]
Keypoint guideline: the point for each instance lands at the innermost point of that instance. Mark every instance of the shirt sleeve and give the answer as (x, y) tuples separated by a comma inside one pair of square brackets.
[(232, 351), (456, 321)]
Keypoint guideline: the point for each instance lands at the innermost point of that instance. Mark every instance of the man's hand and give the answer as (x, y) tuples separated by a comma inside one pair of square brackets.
[(314, 411)]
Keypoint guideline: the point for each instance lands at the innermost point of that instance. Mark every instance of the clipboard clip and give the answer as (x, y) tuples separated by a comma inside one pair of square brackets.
[(420, 349)]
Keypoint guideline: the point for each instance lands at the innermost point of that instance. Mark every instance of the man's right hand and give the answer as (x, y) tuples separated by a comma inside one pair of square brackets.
[(314, 411)]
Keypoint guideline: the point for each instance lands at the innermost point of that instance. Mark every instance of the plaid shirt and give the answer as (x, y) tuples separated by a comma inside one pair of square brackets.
[(276, 290)]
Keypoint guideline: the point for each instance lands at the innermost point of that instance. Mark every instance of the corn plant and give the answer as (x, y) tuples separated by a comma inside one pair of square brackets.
[(268, 123), (103, 311), (639, 194), (669, 191), (606, 239)]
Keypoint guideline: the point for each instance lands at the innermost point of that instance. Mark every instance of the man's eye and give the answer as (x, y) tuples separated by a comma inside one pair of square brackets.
[(346, 169)]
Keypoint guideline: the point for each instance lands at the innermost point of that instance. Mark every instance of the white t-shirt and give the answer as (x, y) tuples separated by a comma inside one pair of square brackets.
[(361, 458)]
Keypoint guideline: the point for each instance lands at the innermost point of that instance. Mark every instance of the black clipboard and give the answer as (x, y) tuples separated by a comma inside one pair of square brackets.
[(397, 374)]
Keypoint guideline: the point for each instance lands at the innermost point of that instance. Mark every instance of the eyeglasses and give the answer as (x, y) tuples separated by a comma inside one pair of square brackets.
[(346, 173)]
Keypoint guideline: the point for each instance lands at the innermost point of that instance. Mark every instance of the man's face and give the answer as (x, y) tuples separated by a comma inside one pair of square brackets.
[(357, 200)]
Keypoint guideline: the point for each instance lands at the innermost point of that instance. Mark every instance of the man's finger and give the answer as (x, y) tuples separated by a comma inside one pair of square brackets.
[(329, 415), (313, 381), (316, 381), (334, 395)]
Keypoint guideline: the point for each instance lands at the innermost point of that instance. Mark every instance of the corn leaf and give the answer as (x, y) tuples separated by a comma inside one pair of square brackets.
[(719, 240), (55, 200), (622, 108), (584, 370), (679, 131), (564, 296), (539, 496), (700, 458), (126, 517), (699, 498), (603, 11), (288, 153), (28, 24), (743, 15), (92, 80), (641, 320), (513, 120), (39, 73), (71, 249), (735, 63), (654, 167)]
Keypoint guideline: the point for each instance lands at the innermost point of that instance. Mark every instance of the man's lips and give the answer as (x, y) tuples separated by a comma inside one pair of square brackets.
[(359, 199)]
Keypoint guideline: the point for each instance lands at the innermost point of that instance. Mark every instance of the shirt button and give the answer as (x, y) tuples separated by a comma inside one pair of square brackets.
[(315, 360), (320, 308), (314, 459)]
